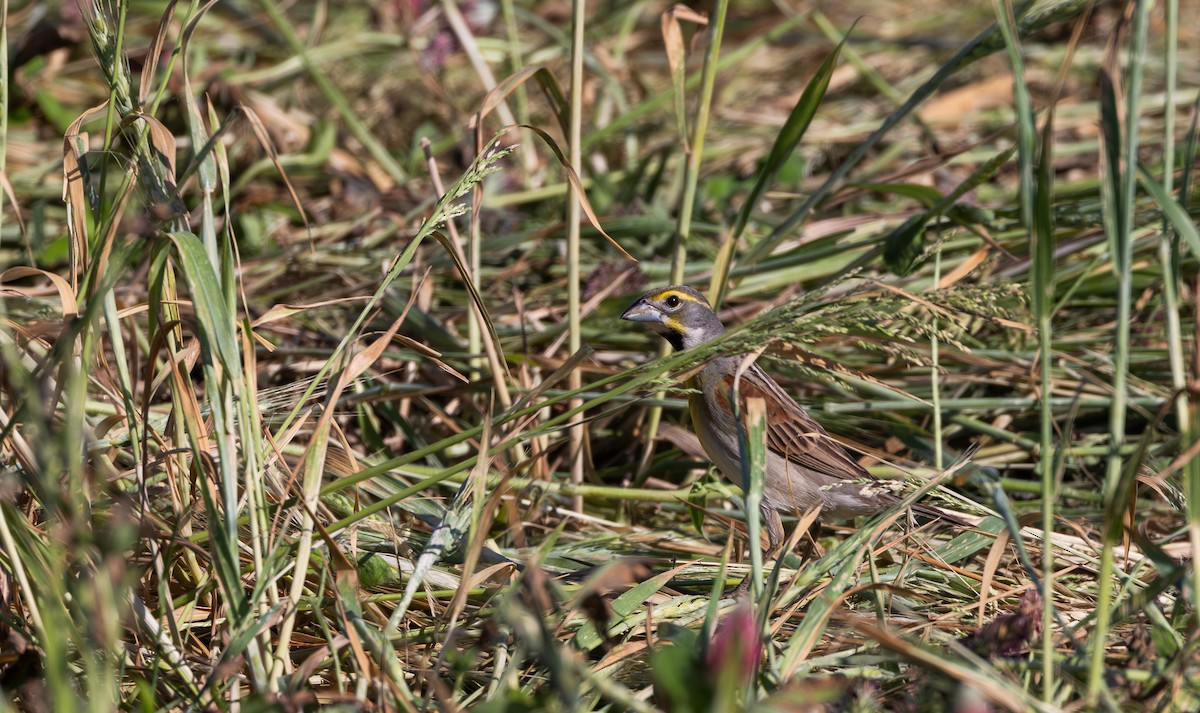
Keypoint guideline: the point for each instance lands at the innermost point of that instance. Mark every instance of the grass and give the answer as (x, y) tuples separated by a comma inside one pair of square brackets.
[(311, 398)]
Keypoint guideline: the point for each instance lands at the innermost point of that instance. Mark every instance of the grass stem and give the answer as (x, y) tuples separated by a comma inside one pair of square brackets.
[(574, 215), (1123, 177)]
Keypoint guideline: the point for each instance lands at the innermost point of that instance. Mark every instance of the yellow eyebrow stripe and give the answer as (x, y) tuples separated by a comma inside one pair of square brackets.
[(681, 295)]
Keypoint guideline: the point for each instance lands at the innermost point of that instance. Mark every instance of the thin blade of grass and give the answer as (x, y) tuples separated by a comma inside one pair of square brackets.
[(785, 144), (982, 45), (1121, 166)]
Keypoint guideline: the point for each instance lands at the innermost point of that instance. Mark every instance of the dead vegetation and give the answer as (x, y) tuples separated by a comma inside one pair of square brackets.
[(277, 298)]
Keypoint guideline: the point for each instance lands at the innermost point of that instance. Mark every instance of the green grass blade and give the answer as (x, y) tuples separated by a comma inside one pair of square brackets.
[(982, 45), (785, 144), (1121, 170), (1172, 211)]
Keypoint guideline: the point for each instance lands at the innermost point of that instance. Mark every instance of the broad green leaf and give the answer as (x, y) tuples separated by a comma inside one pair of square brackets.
[(213, 313)]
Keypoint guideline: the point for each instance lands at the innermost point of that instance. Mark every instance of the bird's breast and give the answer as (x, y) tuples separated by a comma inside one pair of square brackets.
[(714, 428)]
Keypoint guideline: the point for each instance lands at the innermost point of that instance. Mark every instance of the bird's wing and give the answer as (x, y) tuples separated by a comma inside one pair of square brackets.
[(791, 432)]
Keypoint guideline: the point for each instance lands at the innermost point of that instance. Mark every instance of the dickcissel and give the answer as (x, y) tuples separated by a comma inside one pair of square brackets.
[(805, 466)]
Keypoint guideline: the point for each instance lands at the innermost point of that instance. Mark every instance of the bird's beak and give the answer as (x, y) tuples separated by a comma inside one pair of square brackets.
[(642, 311)]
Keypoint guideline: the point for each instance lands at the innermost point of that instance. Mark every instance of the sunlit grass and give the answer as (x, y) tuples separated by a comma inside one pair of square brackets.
[(287, 403)]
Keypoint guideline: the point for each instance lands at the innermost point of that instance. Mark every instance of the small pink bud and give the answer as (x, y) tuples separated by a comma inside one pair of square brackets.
[(736, 642)]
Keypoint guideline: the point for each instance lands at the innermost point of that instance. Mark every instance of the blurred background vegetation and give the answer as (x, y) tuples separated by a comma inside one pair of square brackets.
[(313, 390)]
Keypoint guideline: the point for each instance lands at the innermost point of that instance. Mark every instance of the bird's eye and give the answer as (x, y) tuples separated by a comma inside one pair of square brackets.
[(672, 301)]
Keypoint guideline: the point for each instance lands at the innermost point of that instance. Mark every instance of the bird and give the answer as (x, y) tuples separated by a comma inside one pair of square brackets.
[(805, 466)]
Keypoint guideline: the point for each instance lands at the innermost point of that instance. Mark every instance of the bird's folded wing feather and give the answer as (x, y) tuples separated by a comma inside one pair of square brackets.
[(791, 432)]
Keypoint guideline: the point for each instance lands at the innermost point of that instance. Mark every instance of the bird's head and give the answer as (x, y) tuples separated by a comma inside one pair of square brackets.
[(680, 314)]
